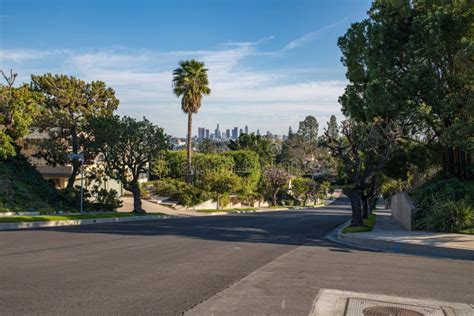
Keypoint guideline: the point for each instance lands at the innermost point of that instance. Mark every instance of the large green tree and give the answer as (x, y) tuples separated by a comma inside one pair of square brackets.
[(127, 148), (411, 61), (363, 150), (263, 146), (308, 131), (19, 106), (191, 83), (69, 104)]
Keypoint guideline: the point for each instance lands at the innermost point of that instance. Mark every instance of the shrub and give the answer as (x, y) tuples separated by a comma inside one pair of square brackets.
[(450, 216), (437, 192), (108, 200), (184, 193)]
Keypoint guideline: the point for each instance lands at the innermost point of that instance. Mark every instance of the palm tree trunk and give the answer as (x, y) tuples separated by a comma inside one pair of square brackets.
[(189, 172)]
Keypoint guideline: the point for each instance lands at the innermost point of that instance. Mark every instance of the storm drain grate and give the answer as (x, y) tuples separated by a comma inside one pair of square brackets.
[(363, 307)]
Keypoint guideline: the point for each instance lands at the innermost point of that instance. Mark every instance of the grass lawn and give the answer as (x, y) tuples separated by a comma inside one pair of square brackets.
[(368, 226), (40, 218), (469, 231), (229, 210)]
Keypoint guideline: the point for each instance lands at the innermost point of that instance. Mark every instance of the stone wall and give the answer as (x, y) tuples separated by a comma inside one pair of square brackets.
[(402, 209)]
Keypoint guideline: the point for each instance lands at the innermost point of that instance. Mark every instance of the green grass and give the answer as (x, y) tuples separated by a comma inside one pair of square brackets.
[(469, 231), (42, 218), (368, 226), (229, 210)]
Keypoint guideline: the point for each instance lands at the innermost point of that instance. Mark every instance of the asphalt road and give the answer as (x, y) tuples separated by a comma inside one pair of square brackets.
[(167, 267)]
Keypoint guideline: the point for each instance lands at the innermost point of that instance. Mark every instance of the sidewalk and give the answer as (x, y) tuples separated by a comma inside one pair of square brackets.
[(389, 235)]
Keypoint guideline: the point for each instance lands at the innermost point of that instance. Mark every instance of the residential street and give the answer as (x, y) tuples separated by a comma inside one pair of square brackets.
[(242, 264)]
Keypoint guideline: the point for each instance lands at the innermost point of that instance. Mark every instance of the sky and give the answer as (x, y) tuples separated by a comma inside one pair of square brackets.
[(271, 62)]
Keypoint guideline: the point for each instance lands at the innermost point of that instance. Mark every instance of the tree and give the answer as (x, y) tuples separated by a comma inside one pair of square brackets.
[(332, 128), (275, 180), (364, 149), (208, 146), (18, 108), (221, 182), (257, 143), (69, 104), (302, 188), (411, 62), (127, 147), (190, 82), (308, 130)]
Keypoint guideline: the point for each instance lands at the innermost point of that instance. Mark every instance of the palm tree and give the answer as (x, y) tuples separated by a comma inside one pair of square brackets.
[(190, 82)]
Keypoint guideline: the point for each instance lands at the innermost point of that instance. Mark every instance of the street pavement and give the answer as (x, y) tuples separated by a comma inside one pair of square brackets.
[(264, 263)]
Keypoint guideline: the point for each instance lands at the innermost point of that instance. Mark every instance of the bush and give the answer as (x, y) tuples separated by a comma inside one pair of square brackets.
[(435, 193), (108, 200), (450, 216), (184, 193)]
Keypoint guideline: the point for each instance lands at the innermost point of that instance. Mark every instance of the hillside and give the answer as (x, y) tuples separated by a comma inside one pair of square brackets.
[(23, 188)]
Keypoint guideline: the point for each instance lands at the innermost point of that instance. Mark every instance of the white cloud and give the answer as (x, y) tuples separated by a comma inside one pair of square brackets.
[(240, 94), (311, 36)]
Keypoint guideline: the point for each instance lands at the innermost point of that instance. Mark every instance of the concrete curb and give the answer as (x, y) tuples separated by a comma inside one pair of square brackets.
[(398, 247), (77, 222), (269, 210)]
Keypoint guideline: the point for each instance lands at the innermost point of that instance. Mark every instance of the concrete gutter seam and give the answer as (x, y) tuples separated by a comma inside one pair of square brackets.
[(77, 222), (397, 247)]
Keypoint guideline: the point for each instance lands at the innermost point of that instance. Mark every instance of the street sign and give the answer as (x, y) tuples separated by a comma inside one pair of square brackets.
[(79, 157)]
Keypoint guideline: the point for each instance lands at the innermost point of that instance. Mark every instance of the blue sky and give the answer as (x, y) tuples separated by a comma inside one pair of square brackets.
[(271, 62)]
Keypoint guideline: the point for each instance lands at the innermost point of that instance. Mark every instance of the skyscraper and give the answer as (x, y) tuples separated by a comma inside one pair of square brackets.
[(227, 133), (258, 132), (241, 132), (246, 129), (217, 133), (235, 133), (207, 133)]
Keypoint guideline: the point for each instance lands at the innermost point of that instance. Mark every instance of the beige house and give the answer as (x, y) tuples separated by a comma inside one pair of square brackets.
[(59, 174)]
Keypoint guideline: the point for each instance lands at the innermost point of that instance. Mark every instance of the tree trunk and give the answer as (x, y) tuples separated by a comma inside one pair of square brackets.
[(74, 173), (274, 198), (365, 207), (189, 171), (137, 201), (372, 204), (354, 197)]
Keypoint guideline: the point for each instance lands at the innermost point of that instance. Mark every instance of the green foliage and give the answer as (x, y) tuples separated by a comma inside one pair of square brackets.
[(22, 187), (18, 108), (190, 82), (436, 194), (257, 143), (107, 200), (276, 179), (411, 62), (127, 146), (450, 216), (302, 188), (69, 104), (185, 193)]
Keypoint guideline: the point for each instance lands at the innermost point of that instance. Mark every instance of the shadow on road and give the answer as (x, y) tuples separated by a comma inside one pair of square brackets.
[(294, 227)]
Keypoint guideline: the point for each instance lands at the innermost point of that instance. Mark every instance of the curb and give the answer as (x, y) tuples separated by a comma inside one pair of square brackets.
[(78, 222), (269, 210), (398, 247)]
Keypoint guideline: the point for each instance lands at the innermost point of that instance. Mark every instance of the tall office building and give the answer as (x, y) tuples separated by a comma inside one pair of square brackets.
[(258, 132), (241, 132), (207, 134), (246, 129), (235, 133), (217, 133), (227, 133)]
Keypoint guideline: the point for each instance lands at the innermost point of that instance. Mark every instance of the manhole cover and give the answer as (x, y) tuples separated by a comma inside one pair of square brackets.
[(389, 311), (367, 307)]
